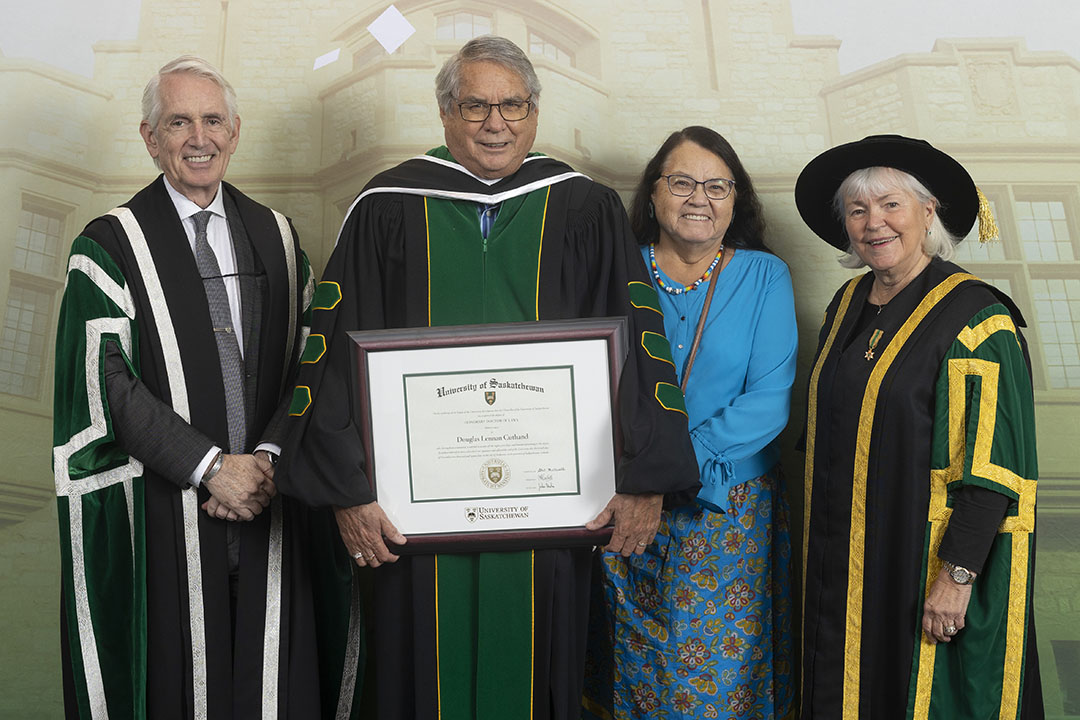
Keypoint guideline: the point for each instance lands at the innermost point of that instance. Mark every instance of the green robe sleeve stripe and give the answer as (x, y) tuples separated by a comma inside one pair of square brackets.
[(314, 349), (98, 486), (96, 309), (969, 453), (88, 258), (657, 347), (985, 389), (327, 295), (301, 400), (981, 378), (990, 408), (670, 397), (643, 296)]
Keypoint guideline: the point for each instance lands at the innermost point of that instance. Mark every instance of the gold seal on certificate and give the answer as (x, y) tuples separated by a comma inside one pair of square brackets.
[(494, 473)]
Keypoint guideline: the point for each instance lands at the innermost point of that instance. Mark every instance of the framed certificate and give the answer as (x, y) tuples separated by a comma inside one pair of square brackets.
[(492, 436)]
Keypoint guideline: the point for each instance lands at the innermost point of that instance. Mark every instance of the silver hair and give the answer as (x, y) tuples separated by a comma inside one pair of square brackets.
[(876, 181), (485, 48), (151, 99)]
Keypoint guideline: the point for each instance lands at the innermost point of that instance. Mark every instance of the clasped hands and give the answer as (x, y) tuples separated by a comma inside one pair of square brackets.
[(242, 488), (365, 528)]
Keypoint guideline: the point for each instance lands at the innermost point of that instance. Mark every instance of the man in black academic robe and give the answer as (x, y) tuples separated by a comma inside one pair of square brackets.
[(186, 592), (481, 231)]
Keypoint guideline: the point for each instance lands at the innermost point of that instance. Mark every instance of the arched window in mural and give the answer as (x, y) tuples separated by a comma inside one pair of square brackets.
[(461, 26), (540, 46)]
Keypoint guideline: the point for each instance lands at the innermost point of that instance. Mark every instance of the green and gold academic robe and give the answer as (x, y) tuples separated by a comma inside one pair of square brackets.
[(933, 396), (506, 638), (145, 601)]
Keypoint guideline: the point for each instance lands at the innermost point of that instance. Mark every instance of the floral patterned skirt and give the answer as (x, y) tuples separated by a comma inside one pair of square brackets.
[(702, 620)]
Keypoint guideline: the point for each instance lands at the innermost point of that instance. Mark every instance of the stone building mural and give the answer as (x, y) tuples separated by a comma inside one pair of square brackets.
[(617, 77)]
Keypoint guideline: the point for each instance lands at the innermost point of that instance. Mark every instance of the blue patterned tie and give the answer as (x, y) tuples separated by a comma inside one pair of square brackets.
[(232, 364), (488, 213)]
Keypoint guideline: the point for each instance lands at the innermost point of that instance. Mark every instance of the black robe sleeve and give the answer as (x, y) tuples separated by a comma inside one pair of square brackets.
[(602, 258), (323, 460)]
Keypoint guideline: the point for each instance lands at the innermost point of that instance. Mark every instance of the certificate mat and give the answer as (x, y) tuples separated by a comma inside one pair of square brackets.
[(504, 443)]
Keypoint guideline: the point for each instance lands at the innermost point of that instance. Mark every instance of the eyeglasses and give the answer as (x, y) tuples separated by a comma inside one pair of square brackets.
[(511, 110), (684, 186)]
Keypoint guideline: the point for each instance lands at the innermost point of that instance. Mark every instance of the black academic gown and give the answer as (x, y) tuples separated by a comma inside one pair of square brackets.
[(235, 659), (588, 257), (866, 514)]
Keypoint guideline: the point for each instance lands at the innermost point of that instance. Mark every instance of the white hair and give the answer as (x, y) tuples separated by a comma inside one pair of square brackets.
[(877, 181), (151, 99)]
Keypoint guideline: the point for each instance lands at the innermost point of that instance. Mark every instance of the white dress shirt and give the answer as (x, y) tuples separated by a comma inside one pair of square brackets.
[(220, 239)]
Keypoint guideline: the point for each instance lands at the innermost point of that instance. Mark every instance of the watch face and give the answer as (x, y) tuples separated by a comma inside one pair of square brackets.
[(960, 575)]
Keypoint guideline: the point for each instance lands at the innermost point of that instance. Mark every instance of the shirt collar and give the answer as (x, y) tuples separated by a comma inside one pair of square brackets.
[(185, 208)]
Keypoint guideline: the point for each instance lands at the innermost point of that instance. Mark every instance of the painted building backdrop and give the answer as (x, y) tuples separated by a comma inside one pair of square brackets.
[(617, 77)]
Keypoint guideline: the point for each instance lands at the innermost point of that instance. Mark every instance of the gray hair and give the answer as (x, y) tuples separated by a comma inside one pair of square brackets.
[(485, 48), (876, 181), (151, 99)]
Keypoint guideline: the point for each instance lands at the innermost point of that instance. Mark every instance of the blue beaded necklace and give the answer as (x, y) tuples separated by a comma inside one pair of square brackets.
[(687, 288)]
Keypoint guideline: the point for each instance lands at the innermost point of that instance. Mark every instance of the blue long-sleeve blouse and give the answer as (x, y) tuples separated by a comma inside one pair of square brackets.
[(739, 393)]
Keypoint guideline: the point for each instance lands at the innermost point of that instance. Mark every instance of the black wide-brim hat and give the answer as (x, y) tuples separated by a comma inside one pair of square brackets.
[(946, 179)]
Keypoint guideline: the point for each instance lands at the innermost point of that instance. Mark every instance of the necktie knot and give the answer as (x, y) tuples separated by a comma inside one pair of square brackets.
[(488, 213), (202, 219)]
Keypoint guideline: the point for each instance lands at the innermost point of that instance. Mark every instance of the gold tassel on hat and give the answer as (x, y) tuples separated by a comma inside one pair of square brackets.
[(988, 229)]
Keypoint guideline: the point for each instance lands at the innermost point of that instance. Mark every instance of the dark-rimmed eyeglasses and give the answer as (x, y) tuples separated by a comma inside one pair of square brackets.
[(511, 110), (684, 186)]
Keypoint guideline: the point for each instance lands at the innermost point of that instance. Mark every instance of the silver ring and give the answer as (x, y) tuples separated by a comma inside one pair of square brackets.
[(641, 544), (950, 630), (358, 556)]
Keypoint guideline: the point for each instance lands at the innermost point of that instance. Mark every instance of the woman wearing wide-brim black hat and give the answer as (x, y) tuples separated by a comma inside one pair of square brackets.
[(920, 454)]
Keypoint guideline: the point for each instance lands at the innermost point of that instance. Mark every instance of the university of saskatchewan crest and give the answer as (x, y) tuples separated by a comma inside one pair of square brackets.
[(470, 514), (495, 473), (489, 395)]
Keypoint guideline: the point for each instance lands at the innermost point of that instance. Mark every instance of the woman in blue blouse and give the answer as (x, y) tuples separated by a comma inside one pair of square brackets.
[(702, 619)]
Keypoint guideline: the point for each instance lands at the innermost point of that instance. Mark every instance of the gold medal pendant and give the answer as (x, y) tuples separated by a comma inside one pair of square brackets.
[(874, 338)]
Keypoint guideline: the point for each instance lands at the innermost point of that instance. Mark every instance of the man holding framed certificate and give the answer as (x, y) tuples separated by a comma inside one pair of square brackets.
[(481, 231)]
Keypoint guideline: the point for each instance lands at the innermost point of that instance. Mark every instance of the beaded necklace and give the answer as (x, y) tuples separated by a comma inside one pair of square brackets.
[(687, 288)]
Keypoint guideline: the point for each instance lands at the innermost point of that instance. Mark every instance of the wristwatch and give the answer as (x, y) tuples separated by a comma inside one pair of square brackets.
[(271, 457), (959, 575)]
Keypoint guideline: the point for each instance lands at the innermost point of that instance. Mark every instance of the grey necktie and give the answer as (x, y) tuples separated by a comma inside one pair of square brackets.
[(232, 364)]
